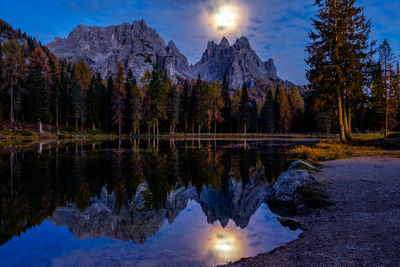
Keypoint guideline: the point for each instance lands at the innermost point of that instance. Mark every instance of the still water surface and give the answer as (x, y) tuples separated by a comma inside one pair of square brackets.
[(139, 203)]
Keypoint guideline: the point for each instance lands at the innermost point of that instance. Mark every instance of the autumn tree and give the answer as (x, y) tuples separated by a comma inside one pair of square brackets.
[(118, 97), (296, 104), (14, 66), (235, 111), (213, 103), (55, 70), (283, 110)]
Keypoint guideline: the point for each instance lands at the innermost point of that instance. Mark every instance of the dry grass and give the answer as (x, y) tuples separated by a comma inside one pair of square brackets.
[(330, 149)]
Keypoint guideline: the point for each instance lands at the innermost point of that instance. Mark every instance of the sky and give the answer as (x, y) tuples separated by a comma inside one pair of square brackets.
[(276, 29)]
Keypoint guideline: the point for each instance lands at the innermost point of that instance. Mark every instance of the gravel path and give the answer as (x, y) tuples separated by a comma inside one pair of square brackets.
[(361, 229)]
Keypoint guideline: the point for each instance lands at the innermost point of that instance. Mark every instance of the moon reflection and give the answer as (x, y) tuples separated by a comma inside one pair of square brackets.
[(226, 244)]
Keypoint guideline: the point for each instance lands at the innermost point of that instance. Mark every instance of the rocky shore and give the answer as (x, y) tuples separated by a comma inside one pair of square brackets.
[(355, 223)]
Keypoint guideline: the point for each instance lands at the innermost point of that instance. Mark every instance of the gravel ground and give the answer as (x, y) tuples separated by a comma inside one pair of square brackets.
[(362, 228)]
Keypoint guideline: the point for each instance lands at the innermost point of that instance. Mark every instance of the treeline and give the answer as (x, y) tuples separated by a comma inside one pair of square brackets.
[(38, 88), (353, 85)]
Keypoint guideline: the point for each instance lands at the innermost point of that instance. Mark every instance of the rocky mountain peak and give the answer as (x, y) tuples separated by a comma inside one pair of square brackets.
[(224, 42), (242, 42)]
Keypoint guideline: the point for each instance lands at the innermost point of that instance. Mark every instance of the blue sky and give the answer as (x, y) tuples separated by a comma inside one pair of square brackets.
[(276, 28)]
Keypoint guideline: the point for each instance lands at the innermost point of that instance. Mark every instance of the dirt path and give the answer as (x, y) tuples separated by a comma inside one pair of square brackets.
[(361, 229)]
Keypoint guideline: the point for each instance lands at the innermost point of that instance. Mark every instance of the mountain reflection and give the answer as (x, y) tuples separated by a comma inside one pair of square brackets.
[(127, 190)]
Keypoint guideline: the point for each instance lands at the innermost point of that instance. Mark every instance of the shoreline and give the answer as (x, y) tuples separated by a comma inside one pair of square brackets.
[(361, 228)]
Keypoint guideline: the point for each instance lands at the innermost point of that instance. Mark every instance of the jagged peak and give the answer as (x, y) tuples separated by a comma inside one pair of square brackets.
[(141, 23), (224, 42), (243, 42), (172, 45)]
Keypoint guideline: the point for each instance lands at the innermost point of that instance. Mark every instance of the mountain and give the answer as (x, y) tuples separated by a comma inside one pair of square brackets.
[(239, 62), (136, 46), (139, 47)]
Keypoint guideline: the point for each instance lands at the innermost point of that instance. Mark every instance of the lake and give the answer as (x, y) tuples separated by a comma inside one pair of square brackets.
[(141, 202)]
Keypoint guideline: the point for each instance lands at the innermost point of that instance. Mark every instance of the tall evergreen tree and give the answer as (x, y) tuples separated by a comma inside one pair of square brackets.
[(227, 109), (118, 97), (94, 101), (337, 54), (14, 66), (386, 60), (130, 82), (39, 81), (55, 69), (173, 108), (185, 106), (136, 106), (268, 112), (157, 97), (196, 109), (244, 108)]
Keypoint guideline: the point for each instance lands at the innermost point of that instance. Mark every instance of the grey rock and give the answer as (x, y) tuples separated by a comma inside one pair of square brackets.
[(288, 184), (299, 164)]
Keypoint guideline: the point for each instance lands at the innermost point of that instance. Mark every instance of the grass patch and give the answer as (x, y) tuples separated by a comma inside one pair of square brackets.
[(331, 149)]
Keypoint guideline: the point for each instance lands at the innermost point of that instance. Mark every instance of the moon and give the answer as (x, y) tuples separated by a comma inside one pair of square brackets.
[(225, 19)]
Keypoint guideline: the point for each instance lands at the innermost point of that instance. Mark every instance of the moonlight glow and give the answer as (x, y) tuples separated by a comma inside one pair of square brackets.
[(225, 18)]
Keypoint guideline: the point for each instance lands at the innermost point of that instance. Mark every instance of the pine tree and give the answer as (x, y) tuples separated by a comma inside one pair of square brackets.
[(157, 97), (14, 66), (244, 108), (386, 59), (129, 84), (94, 101), (118, 97), (338, 54), (196, 108), (39, 82), (227, 109), (77, 103), (136, 106), (55, 70), (185, 106), (173, 108), (268, 112)]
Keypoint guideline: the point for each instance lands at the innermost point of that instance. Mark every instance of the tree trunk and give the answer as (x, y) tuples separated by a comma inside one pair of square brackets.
[(215, 127), (350, 135), (245, 128), (341, 126), (386, 109), (345, 122), (57, 114), (40, 127), (12, 101), (76, 123), (93, 126)]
